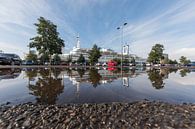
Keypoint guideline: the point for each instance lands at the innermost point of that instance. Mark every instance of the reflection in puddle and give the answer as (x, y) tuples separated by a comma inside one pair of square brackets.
[(9, 73), (61, 85)]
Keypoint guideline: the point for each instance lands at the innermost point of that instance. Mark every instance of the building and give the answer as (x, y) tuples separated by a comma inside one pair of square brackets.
[(106, 54), (165, 59), (76, 52)]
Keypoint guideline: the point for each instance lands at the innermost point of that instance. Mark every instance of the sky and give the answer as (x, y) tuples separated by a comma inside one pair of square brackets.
[(168, 22)]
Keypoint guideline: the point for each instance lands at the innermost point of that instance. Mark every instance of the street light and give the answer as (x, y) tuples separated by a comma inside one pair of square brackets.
[(118, 28)]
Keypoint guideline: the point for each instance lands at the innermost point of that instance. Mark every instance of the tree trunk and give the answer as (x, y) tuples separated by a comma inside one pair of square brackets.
[(50, 59)]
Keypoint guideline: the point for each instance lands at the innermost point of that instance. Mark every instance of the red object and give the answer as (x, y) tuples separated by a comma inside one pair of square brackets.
[(112, 63), (111, 68)]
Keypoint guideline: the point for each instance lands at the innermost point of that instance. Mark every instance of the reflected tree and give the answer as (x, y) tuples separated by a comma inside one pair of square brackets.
[(183, 72), (173, 70), (81, 72), (56, 72), (94, 77), (156, 78), (31, 74), (47, 87), (69, 72)]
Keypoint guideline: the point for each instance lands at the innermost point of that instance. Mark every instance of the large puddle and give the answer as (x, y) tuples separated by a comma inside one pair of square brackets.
[(62, 86)]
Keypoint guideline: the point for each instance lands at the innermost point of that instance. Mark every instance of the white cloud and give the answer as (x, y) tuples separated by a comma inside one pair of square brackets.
[(167, 28), (187, 80), (141, 34), (188, 52), (13, 48), (18, 16), (78, 5)]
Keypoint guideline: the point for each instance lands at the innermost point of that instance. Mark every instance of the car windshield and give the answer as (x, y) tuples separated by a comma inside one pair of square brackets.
[(12, 55), (2, 55)]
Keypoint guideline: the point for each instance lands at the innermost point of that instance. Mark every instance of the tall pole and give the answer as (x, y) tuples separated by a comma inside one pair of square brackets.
[(121, 48), (122, 40)]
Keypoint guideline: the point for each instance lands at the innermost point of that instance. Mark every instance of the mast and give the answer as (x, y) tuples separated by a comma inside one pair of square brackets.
[(78, 42)]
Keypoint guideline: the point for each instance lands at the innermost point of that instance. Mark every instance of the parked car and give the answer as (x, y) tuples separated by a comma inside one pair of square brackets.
[(28, 62), (12, 59), (4, 60)]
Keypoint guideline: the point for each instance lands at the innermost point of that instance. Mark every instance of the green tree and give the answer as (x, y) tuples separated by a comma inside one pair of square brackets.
[(32, 56), (184, 61), (81, 59), (132, 60), (156, 54), (125, 61), (56, 59), (117, 60), (47, 42), (44, 58), (69, 59), (94, 54), (172, 62)]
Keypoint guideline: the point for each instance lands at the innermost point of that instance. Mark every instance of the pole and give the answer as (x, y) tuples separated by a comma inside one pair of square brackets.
[(122, 27), (121, 48)]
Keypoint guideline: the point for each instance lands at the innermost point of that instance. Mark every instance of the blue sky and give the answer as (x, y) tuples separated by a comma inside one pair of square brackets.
[(168, 22)]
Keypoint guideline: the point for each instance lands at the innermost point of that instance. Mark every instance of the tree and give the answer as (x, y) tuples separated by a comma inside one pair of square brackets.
[(94, 54), (81, 59), (31, 56), (69, 60), (183, 72), (94, 77), (56, 59), (44, 58), (132, 60), (125, 61), (47, 42), (156, 54), (117, 60), (81, 72), (184, 61), (172, 62), (46, 88), (156, 78)]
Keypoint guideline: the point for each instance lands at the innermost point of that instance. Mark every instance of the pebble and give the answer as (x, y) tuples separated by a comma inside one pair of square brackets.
[(142, 114)]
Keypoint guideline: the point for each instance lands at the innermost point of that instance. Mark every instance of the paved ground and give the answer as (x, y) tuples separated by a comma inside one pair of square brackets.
[(139, 115)]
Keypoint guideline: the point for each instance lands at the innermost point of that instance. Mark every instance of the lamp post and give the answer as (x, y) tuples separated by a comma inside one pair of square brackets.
[(122, 38)]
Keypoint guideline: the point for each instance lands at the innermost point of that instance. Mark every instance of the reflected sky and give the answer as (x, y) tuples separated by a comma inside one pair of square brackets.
[(62, 85)]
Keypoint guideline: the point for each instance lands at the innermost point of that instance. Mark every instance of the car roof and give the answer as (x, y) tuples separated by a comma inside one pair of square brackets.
[(9, 54)]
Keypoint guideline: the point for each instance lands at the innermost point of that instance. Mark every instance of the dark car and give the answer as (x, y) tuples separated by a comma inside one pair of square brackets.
[(28, 62), (12, 59), (4, 60)]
